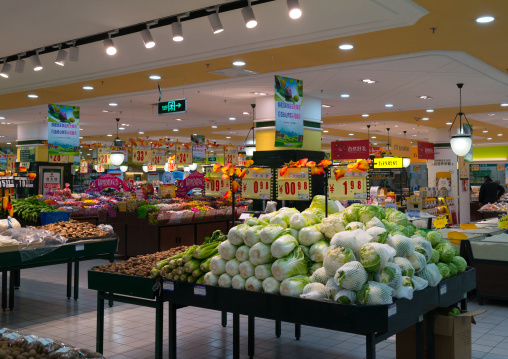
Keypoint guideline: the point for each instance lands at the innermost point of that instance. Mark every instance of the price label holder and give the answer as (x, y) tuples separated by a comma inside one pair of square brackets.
[(440, 222), (183, 155), (104, 156), (168, 285), (100, 168), (362, 195), (231, 156), (257, 183), (200, 290), (413, 213), (392, 310), (503, 222), (6, 182), (347, 188), (390, 205), (80, 247), (442, 289), (294, 184), (244, 216)]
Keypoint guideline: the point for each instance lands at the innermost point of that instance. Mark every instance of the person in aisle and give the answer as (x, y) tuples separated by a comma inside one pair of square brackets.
[(490, 191)]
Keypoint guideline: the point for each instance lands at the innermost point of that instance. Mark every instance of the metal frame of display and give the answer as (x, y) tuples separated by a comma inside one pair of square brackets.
[(68, 253)]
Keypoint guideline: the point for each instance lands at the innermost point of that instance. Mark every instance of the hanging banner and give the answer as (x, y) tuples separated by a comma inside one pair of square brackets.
[(294, 184), (198, 154), (401, 147), (141, 154), (288, 112), (194, 180), (257, 183), (377, 152), (414, 156), (108, 181), (58, 159), (158, 157), (425, 150), (11, 163), (231, 156), (83, 167), (198, 139), (104, 156), (63, 130), (183, 154), (346, 150)]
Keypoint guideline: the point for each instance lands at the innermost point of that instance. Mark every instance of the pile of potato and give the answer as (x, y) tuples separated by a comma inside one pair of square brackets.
[(140, 265), (22, 349), (74, 229)]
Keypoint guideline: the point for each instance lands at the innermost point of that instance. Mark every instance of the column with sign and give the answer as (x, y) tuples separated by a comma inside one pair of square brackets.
[(257, 183), (294, 184), (342, 187), (141, 154), (231, 155), (183, 154), (103, 156)]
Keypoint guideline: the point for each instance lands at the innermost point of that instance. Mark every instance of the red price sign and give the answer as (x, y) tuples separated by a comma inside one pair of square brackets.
[(58, 158), (152, 168), (183, 155), (100, 168), (294, 184), (347, 188), (158, 157), (104, 156), (257, 183), (141, 154), (231, 156)]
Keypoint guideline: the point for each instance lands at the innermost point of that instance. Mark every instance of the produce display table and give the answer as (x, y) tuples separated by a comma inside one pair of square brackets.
[(376, 323), (69, 253)]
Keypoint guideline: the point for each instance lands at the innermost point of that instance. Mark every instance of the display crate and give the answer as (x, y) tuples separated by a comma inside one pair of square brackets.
[(454, 289), (53, 217), (121, 284)]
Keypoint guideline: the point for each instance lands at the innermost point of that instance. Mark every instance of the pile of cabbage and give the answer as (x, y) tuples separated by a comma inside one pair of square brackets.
[(364, 255)]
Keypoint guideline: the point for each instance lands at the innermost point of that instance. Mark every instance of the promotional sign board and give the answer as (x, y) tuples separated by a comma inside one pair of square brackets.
[(104, 156), (257, 183), (11, 163), (414, 156), (50, 179), (198, 154), (401, 147), (288, 112), (27, 154), (425, 150), (58, 159), (173, 106), (198, 139), (344, 150), (194, 180), (231, 156), (183, 155), (294, 184), (141, 154), (108, 181), (63, 130), (158, 157), (388, 162)]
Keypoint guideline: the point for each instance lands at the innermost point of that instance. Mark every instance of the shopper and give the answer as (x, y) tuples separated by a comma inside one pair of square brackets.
[(490, 191)]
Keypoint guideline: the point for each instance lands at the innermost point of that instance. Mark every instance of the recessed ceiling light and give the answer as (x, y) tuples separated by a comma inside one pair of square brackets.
[(346, 47), (121, 128), (369, 81), (485, 19), (178, 119), (425, 97), (175, 129), (489, 138), (104, 111), (214, 126), (326, 106), (238, 63), (246, 113), (81, 129), (113, 104), (389, 105), (344, 95), (89, 149), (228, 136), (263, 94), (35, 96), (3, 123), (109, 135), (351, 134), (414, 135), (325, 131), (2, 118), (429, 110), (485, 131), (80, 137), (141, 133), (374, 137), (232, 118), (492, 114), (8, 143), (365, 115), (154, 77), (504, 104), (375, 143), (88, 88), (425, 119), (449, 123), (194, 134), (499, 134)]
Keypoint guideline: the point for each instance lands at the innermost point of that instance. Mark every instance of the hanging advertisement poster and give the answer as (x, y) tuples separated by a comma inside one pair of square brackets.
[(158, 157), (425, 150), (288, 112), (63, 130), (348, 150), (401, 148), (198, 154), (198, 139), (183, 154)]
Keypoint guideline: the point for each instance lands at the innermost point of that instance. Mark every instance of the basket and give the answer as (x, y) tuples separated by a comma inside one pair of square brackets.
[(53, 217)]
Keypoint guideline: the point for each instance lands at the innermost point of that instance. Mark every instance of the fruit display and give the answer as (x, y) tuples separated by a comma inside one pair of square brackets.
[(15, 345), (190, 266), (364, 255), (75, 230), (142, 265), (29, 209), (494, 207)]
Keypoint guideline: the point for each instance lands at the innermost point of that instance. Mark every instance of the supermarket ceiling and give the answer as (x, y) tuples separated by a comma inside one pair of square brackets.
[(393, 40)]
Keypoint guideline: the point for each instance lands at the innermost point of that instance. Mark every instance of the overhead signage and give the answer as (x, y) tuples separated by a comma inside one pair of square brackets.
[(425, 150), (231, 156), (63, 130), (173, 106), (104, 156), (257, 183), (347, 188), (381, 175), (194, 180), (108, 181), (345, 150), (183, 155), (198, 139), (158, 157), (141, 154), (100, 168), (198, 154), (58, 159), (414, 156), (401, 147), (288, 97), (212, 159), (388, 162), (11, 163), (294, 185), (215, 185), (27, 154)]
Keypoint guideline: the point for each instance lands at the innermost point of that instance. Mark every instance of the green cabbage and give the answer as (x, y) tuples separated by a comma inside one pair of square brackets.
[(460, 263), (351, 214), (368, 212), (408, 230), (392, 228), (398, 218), (435, 256), (336, 258), (378, 234), (270, 233), (318, 203), (374, 222), (444, 270), (353, 226), (453, 269), (293, 286), (289, 266), (446, 252), (435, 238)]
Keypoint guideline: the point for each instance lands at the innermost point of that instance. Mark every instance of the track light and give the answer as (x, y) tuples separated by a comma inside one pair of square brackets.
[(20, 66), (177, 31), (6, 69), (110, 47), (248, 17), (36, 62), (294, 9), (147, 38), (74, 53), (61, 57), (215, 22)]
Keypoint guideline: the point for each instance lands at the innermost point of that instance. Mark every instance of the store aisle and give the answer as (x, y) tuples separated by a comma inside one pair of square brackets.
[(43, 310)]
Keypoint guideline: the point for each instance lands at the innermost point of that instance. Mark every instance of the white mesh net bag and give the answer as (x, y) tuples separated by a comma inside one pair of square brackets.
[(351, 276), (374, 293), (314, 291), (403, 245), (319, 276), (431, 274), (419, 283), (345, 296), (375, 255), (390, 275), (336, 258), (331, 288), (405, 290), (405, 266), (423, 246), (418, 261)]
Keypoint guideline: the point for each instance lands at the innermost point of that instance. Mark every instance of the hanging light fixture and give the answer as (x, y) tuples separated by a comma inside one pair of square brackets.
[(61, 56), (6, 69), (405, 161), (117, 156), (461, 142), (294, 9), (388, 145), (36, 62), (248, 16), (177, 31), (250, 145), (124, 168), (215, 22), (145, 168), (166, 167)]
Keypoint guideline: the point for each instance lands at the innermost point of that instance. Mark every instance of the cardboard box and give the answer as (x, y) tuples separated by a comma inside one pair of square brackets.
[(452, 336)]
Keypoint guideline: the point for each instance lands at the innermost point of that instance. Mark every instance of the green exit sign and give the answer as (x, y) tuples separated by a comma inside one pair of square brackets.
[(173, 106), (212, 159)]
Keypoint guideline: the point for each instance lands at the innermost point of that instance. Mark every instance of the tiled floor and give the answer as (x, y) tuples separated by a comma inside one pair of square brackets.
[(42, 309)]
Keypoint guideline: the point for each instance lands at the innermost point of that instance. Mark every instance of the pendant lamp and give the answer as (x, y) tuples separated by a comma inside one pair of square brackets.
[(117, 156), (124, 168), (405, 161), (250, 145), (461, 142)]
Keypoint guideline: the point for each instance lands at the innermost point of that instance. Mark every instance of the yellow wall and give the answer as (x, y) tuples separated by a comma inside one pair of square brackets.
[(265, 141), (492, 152)]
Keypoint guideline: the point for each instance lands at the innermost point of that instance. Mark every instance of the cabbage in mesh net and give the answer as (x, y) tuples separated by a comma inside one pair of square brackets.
[(374, 293), (351, 276)]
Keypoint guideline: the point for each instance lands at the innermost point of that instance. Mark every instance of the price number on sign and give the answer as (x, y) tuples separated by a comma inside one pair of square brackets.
[(83, 169), (231, 156), (141, 154), (216, 187), (100, 168), (11, 163), (440, 222), (293, 189), (256, 188), (57, 158), (346, 187), (152, 168), (183, 155), (158, 158), (104, 156)]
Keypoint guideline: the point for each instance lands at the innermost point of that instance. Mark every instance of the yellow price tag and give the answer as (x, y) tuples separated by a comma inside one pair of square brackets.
[(257, 183), (440, 222), (294, 184), (346, 188), (503, 222), (104, 156), (183, 155), (141, 154)]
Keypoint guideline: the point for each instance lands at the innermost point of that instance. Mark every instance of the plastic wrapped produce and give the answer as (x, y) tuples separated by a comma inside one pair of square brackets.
[(431, 274), (403, 245), (390, 275), (374, 293), (314, 291), (319, 276), (405, 290), (351, 276), (331, 288), (375, 255), (345, 296), (405, 265), (336, 258)]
